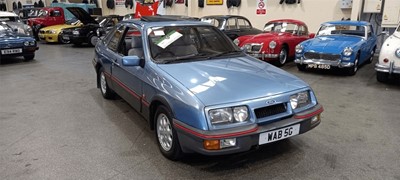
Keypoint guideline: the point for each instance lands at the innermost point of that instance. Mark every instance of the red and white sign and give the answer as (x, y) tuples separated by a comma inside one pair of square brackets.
[(146, 10), (261, 7)]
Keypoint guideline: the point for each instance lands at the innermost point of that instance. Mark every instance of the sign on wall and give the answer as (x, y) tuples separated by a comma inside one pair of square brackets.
[(179, 1), (120, 2), (261, 7), (214, 2)]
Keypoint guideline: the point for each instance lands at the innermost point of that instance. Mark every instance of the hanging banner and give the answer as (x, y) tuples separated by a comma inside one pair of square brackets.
[(119, 2), (261, 7), (179, 1)]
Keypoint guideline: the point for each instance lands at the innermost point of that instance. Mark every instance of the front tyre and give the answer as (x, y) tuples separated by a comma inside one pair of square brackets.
[(29, 57), (351, 71), (105, 90), (301, 67), (283, 56), (167, 137), (93, 40), (382, 77)]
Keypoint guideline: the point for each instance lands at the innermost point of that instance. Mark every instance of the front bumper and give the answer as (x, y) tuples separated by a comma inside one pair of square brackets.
[(191, 140), (263, 56), (391, 69), (337, 63), (51, 38)]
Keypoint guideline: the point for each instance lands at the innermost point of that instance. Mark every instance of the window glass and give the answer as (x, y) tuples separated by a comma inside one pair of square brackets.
[(281, 27), (303, 31), (115, 39), (231, 24), (351, 30), (243, 24), (10, 19), (176, 44), (132, 44)]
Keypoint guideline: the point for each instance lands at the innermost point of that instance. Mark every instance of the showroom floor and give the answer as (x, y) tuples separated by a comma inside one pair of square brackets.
[(54, 124)]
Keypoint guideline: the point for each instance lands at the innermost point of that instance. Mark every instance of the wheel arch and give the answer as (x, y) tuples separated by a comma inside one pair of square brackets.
[(155, 103)]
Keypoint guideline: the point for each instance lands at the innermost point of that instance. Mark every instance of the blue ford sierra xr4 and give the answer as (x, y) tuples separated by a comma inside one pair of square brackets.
[(198, 91), (14, 44)]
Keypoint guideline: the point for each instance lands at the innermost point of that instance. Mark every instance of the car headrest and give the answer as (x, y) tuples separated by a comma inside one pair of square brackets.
[(137, 42)]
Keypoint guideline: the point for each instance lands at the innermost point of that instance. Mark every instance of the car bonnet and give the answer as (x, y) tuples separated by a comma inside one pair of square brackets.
[(228, 80), (82, 15)]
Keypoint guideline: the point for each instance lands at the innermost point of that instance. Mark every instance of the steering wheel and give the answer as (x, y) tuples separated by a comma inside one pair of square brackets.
[(164, 52)]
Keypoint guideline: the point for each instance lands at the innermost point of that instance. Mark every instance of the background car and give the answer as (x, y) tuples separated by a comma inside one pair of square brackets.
[(15, 22), (27, 13), (187, 79), (92, 28), (277, 42), (338, 44), (52, 34), (14, 44), (233, 26), (389, 57)]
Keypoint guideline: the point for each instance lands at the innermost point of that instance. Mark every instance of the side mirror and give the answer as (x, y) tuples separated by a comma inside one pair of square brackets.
[(131, 61), (311, 35)]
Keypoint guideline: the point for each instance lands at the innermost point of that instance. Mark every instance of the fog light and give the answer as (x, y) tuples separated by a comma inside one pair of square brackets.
[(211, 144), (315, 119), (228, 142)]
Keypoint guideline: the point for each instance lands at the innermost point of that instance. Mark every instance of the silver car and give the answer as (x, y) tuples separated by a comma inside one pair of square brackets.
[(15, 22)]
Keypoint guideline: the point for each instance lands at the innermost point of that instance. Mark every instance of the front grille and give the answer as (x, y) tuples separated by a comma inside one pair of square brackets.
[(313, 55), (256, 48), (270, 110)]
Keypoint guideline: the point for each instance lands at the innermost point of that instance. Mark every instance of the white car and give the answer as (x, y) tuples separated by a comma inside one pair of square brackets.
[(389, 57), (15, 22)]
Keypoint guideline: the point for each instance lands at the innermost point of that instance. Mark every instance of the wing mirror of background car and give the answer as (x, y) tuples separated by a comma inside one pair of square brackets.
[(131, 61), (311, 35)]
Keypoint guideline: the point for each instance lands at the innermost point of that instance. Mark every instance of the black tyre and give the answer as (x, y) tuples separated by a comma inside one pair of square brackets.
[(382, 77), (29, 57), (166, 135), (371, 58), (283, 57), (93, 40), (105, 90), (63, 41), (301, 67), (351, 71)]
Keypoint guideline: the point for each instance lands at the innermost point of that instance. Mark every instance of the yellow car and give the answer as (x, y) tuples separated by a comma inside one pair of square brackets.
[(51, 34)]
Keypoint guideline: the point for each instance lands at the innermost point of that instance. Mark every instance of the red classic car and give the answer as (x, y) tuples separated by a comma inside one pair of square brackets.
[(277, 42)]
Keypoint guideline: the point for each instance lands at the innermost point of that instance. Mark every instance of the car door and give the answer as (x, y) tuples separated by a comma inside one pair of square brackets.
[(126, 79)]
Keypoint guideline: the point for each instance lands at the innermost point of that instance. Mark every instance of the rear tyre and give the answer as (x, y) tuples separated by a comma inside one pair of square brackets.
[(63, 41), (382, 77), (301, 67), (372, 56), (166, 135), (29, 57), (105, 90)]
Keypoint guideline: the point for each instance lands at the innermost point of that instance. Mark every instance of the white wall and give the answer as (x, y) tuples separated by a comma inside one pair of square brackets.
[(312, 12)]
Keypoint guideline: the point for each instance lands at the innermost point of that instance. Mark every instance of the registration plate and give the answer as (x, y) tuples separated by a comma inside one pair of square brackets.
[(319, 66), (11, 51), (279, 134), (66, 37)]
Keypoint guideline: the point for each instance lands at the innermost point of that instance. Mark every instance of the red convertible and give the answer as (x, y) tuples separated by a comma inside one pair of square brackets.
[(277, 42)]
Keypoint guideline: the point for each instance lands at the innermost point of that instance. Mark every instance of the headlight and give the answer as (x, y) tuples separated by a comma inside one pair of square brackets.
[(247, 47), (300, 99), (299, 48), (398, 52), (26, 43), (272, 44), (347, 51), (229, 115), (51, 31), (75, 32), (236, 41)]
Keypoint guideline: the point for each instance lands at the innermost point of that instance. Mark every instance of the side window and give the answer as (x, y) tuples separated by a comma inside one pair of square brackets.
[(132, 44), (303, 31), (243, 24), (231, 24), (56, 13), (369, 31), (115, 39)]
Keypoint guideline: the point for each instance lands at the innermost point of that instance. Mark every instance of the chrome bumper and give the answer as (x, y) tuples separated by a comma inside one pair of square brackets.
[(391, 69), (337, 63), (263, 56)]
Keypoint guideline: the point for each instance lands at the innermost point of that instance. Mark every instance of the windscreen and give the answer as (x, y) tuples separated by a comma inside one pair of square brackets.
[(328, 30), (4, 28), (280, 27), (10, 19), (178, 43)]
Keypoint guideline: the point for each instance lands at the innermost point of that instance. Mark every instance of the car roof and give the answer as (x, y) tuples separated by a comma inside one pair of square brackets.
[(165, 22), (289, 21), (349, 23), (223, 16), (7, 14)]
